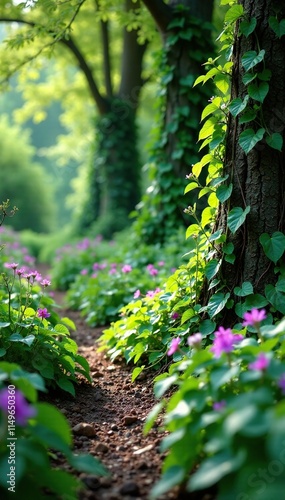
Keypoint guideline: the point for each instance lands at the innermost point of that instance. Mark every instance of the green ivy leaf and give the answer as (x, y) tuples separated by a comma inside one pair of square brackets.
[(245, 289), (236, 218), (273, 246), (248, 116), (224, 192), (258, 92), (212, 268), (217, 303), (234, 13), (248, 77), (277, 299), (265, 75), (238, 105), (278, 28), (252, 58), (249, 138), (275, 141), (248, 26)]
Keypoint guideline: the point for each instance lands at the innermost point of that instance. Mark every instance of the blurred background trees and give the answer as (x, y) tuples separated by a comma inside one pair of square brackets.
[(90, 76)]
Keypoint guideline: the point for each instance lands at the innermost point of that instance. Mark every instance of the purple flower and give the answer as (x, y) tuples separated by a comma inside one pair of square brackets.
[(137, 294), (20, 271), (254, 317), (11, 265), (112, 271), (261, 362), (219, 405), (83, 272), (126, 268), (281, 383), (96, 266), (161, 263), (175, 315), (153, 271), (45, 283), (195, 340), (224, 341), (43, 313), (23, 411), (174, 346)]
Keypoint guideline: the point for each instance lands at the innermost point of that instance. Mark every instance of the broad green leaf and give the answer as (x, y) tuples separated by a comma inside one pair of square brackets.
[(215, 468), (4, 324), (248, 116), (222, 82), (217, 303), (248, 26), (245, 289), (248, 77), (275, 141), (208, 128), (87, 463), (52, 419), (273, 246), (207, 326), (236, 218), (251, 59), (258, 91), (163, 385), (2, 352), (66, 385), (277, 27), (208, 110), (212, 268), (171, 477), (136, 372), (265, 75), (277, 299), (152, 416), (234, 13), (224, 192), (238, 105), (248, 138), (190, 186)]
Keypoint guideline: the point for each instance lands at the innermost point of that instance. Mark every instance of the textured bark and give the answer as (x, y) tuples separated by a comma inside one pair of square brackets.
[(258, 178)]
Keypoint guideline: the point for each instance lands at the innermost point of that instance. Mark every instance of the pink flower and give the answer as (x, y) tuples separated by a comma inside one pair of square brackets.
[(174, 346), (153, 271), (12, 265), (20, 271), (23, 411), (126, 268), (45, 283), (195, 340), (254, 317), (224, 341), (175, 315), (43, 313), (83, 272), (137, 294), (261, 362), (281, 383), (161, 263), (112, 271)]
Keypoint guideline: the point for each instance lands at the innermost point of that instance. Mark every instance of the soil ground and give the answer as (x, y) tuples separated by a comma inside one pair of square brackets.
[(112, 412)]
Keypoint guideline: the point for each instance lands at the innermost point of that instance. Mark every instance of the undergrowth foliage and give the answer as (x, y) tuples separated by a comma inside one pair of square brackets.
[(227, 383)]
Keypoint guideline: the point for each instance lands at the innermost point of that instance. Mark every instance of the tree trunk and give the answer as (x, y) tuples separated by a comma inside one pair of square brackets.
[(258, 178)]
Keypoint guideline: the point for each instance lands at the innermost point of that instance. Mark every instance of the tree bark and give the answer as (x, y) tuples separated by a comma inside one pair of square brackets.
[(259, 177)]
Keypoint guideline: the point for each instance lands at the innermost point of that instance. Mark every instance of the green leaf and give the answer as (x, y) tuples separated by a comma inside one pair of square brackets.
[(217, 303), (248, 77), (215, 468), (2, 352), (52, 419), (236, 218), (277, 299), (238, 105), (248, 26), (174, 475), (275, 141), (152, 416), (248, 116), (212, 268), (234, 13), (273, 246), (251, 59), (248, 139), (207, 326), (245, 289), (163, 385), (258, 91), (66, 385), (4, 324), (224, 192), (136, 372), (88, 463), (278, 28)]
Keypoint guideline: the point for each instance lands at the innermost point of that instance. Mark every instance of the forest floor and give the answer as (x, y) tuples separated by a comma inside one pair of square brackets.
[(107, 419)]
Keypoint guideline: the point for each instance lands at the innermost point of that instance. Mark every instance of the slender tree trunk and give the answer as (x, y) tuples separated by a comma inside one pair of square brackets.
[(259, 177)]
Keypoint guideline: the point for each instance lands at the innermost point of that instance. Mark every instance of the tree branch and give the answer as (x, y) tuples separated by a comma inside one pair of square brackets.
[(161, 13), (106, 57), (98, 98)]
